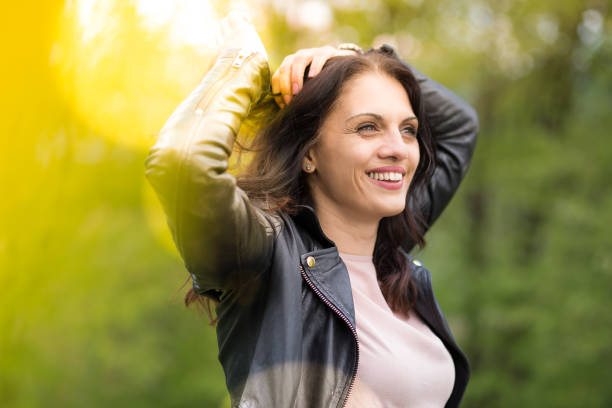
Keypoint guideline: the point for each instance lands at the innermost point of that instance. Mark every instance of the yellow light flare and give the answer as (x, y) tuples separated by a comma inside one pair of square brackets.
[(124, 66)]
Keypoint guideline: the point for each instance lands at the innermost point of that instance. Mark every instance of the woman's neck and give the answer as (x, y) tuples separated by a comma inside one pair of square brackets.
[(351, 234)]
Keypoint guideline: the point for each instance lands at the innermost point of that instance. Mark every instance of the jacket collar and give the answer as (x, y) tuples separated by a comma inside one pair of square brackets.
[(328, 273), (307, 219)]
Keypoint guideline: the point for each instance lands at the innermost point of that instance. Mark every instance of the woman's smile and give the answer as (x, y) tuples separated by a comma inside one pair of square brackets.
[(389, 177)]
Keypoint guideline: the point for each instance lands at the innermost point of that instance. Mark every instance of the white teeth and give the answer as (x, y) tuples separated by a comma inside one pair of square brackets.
[(392, 176)]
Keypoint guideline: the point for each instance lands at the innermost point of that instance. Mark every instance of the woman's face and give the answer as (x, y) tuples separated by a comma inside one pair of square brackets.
[(367, 151)]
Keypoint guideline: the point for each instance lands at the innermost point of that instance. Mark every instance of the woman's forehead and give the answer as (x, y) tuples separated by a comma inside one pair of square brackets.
[(375, 93)]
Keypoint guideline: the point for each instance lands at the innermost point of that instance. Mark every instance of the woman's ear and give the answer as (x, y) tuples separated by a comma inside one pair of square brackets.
[(308, 164)]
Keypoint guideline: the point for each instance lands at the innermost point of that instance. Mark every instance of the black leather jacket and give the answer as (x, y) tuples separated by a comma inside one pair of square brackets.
[(286, 328)]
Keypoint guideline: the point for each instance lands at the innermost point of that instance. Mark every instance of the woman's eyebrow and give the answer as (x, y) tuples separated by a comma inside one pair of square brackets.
[(379, 117), (374, 115), (410, 118)]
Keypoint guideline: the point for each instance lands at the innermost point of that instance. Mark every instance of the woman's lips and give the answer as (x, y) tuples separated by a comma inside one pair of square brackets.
[(390, 185)]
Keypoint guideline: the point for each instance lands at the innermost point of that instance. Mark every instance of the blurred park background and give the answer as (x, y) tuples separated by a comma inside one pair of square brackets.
[(91, 307)]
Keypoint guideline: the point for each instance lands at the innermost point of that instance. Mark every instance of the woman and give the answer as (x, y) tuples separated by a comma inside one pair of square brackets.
[(318, 302)]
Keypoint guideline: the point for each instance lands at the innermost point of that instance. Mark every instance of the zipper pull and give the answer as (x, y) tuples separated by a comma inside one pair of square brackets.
[(242, 56)]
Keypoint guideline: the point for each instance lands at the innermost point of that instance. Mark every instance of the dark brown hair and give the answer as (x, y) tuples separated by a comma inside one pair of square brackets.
[(275, 180)]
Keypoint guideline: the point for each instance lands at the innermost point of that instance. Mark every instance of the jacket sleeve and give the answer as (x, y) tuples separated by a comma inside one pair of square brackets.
[(454, 126), (223, 239)]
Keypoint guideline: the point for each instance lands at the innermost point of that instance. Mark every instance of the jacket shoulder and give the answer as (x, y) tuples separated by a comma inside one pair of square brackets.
[(419, 273)]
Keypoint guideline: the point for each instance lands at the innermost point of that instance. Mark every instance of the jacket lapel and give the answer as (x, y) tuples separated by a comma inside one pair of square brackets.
[(328, 273), (325, 271)]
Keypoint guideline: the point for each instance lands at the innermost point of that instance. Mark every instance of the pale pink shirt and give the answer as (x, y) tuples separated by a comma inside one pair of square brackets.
[(402, 363)]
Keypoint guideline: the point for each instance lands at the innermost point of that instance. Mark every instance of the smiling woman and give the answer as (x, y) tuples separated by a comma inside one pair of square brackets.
[(305, 253), (367, 151), (346, 138)]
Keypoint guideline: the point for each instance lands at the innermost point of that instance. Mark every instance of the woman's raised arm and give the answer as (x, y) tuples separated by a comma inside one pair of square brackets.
[(223, 239)]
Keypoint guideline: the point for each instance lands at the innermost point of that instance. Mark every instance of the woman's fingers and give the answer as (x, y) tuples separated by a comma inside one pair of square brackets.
[(317, 65), (288, 79), (319, 58), (300, 61), (281, 82)]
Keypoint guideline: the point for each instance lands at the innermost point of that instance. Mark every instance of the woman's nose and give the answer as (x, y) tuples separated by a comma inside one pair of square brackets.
[(393, 145)]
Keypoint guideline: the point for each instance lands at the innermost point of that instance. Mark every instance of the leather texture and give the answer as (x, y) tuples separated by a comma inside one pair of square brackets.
[(286, 330)]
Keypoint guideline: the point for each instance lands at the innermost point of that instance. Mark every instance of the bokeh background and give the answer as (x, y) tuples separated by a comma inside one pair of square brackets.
[(91, 307)]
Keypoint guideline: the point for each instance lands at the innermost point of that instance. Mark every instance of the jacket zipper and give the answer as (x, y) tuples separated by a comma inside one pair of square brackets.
[(228, 73), (346, 320)]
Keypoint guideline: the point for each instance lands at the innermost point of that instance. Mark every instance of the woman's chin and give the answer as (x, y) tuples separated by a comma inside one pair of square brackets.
[(389, 210)]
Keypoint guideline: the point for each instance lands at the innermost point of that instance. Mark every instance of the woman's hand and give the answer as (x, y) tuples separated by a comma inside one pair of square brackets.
[(288, 78), (235, 31)]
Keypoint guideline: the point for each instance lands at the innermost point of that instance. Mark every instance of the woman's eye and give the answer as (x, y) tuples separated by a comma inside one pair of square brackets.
[(366, 127), (411, 130)]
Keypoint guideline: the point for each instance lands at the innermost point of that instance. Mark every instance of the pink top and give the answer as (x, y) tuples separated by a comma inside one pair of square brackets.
[(402, 363)]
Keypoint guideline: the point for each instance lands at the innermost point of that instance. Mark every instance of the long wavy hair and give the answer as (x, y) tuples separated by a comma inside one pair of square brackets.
[(275, 181)]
